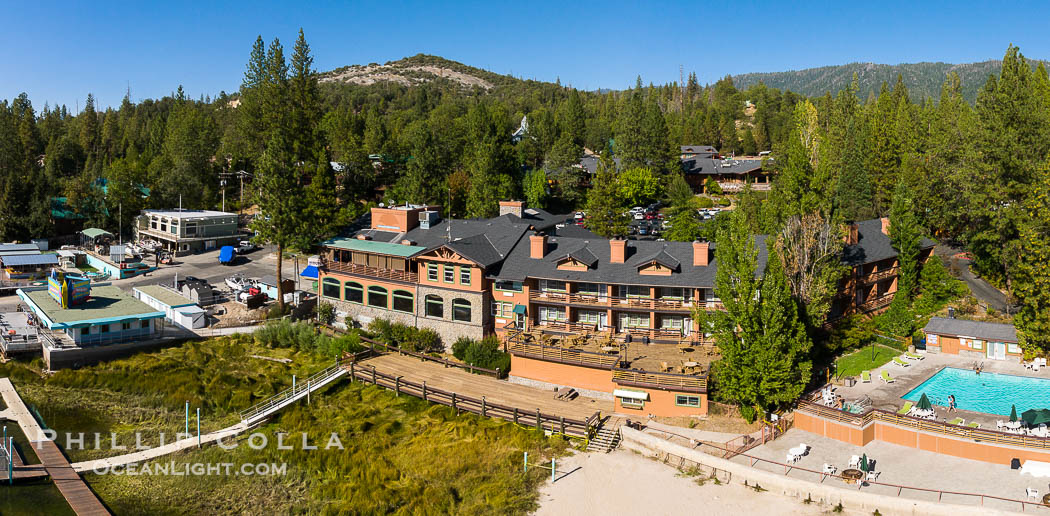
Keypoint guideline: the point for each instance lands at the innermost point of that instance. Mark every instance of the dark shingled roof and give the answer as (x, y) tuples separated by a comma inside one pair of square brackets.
[(994, 332), (582, 255), (485, 241), (873, 245), (519, 264), (706, 150), (574, 231), (662, 258), (541, 220), (710, 166)]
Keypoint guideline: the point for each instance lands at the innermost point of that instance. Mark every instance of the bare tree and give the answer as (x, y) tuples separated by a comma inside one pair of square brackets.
[(810, 247)]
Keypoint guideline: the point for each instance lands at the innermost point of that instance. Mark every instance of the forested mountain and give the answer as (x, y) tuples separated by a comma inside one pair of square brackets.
[(922, 79)]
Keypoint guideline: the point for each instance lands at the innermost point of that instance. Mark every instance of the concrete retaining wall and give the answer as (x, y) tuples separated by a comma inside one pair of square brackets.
[(851, 499)]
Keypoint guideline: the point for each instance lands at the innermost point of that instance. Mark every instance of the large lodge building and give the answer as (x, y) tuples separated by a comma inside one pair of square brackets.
[(608, 317)]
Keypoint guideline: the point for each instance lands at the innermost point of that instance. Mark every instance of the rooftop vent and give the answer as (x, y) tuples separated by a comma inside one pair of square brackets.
[(428, 218)]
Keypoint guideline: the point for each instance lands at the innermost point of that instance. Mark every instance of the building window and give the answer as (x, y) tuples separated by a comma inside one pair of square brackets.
[(673, 293), (552, 314), (145, 324), (85, 331), (450, 274), (587, 317), (687, 401), (631, 320), (1012, 348), (377, 297), (432, 272), (103, 329), (552, 286), (330, 288), (672, 323), (509, 286), (125, 326), (435, 307), (632, 403), (590, 289), (502, 309), (634, 291), (403, 301), (464, 275), (461, 310), (354, 292)]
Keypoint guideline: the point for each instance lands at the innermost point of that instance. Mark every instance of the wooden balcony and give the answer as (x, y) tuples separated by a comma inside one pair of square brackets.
[(876, 303), (665, 381), (879, 275), (369, 272), (536, 350), (635, 303), (637, 334)]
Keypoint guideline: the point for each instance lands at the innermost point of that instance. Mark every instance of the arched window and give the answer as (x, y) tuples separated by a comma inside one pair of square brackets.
[(460, 310), (435, 307), (403, 301), (353, 292), (377, 297), (330, 288)]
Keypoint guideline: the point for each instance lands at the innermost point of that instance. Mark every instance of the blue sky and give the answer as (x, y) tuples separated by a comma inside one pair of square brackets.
[(60, 52)]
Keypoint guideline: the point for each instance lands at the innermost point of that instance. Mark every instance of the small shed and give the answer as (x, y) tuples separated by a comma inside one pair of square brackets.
[(268, 285), (191, 317), (977, 339), (92, 236), (198, 292)]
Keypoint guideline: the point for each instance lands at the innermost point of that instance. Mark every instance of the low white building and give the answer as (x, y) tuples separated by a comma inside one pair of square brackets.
[(176, 307)]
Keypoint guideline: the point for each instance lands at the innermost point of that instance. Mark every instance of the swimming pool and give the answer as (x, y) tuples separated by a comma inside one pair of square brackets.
[(990, 393)]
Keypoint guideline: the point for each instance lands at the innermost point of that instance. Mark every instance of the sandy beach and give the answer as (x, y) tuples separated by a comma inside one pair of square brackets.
[(623, 482)]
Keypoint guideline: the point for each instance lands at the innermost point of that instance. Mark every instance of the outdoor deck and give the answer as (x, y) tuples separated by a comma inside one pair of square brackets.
[(607, 351), (474, 385)]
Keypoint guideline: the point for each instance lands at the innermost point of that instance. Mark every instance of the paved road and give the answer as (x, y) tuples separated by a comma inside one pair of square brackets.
[(980, 288), (204, 266)]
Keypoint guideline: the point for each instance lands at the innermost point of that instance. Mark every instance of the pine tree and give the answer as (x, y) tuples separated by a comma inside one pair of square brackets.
[(630, 132), (605, 210), (1031, 286), (906, 237), (854, 195), (279, 197), (535, 187), (89, 128), (679, 193)]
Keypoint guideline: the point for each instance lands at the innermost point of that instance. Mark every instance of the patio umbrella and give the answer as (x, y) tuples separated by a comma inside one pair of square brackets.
[(1013, 413), (924, 403), (1036, 417), (864, 463)]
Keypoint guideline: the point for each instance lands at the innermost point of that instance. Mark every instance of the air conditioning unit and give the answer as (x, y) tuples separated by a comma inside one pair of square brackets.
[(428, 218)]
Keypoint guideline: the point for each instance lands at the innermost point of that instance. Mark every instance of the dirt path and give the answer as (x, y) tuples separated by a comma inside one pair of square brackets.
[(624, 482)]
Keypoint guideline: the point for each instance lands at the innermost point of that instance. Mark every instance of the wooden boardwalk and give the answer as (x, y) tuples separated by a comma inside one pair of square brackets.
[(475, 385)]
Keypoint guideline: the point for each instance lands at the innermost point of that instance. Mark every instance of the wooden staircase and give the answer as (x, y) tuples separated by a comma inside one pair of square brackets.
[(606, 440)]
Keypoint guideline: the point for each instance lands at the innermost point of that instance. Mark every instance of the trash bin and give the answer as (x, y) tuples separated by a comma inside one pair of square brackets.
[(1015, 463)]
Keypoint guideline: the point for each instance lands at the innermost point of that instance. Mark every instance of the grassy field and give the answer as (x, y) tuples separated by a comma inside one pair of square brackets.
[(862, 360), (400, 454)]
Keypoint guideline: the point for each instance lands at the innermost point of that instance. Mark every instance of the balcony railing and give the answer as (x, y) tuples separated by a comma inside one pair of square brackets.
[(654, 334), (660, 304), (875, 304), (371, 272), (538, 351), (666, 381), (879, 275)]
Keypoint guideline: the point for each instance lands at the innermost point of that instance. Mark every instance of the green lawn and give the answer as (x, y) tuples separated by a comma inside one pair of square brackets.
[(861, 360)]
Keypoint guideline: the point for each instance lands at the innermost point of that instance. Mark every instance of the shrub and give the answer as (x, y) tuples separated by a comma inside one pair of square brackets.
[(302, 336), (486, 353), (898, 320), (326, 313), (459, 348), (407, 337), (712, 187), (275, 311), (724, 202), (702, 203), (425, 340), (748, 413)]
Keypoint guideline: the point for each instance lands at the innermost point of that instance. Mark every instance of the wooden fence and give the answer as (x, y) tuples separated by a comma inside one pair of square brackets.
[(479, 406), (496, 373), (561, 355), (667, 381)]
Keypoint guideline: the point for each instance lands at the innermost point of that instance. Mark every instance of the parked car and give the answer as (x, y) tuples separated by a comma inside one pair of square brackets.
[(246, 246)]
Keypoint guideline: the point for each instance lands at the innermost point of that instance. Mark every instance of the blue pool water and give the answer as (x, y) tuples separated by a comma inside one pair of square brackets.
[(990, 393)]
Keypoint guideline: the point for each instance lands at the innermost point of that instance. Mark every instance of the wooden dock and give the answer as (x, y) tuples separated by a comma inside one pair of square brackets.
[(474, 385)]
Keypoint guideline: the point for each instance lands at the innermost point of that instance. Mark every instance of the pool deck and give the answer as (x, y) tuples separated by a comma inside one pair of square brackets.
[(890, 396)]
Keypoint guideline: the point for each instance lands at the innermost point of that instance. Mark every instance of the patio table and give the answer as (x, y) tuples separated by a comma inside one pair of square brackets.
[(1046, 499), (610, 349), (851, 476)]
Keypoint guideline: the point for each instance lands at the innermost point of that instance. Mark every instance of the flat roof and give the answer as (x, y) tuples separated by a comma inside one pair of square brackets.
[(188, 214), (6, 248), (995, 332), (106, 304), (371, 246), (29, 259), (164, 295)]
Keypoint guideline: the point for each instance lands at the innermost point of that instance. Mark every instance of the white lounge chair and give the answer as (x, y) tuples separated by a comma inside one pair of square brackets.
[(854, 461), (873, 476), (1032, 493), (829, 469), (805, 448)]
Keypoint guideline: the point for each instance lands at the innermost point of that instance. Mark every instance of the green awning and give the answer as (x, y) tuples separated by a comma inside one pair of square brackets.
[(519, 309), (371, 246), (95, 232)]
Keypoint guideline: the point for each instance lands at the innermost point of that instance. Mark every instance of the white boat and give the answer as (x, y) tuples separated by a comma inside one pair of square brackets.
[(238, 282)]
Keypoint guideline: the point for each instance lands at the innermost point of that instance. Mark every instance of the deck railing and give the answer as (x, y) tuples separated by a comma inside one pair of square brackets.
[(480, 406), (879, 275), (516, 346), (926, 425), (371, 272), (876, 303), (658, 304), (665, 381), (422, 356), (654, 334)]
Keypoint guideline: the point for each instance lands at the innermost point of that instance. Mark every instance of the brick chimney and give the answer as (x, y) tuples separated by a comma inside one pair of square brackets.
[(516, 208), (617, 250), (885, 225), (537, 246), (852, 234), (701, 253)]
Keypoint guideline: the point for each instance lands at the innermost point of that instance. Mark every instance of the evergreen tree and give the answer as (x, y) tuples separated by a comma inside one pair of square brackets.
[(605, 210), (630, 132), (854, 195), (277, 186), (1031, 286), (906, 237), (763, 341), (810, 249), (679, 193), (535, 188)]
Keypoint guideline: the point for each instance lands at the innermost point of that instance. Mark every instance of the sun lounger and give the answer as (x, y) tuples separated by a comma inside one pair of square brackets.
[(1032, 493), (914, 356), (905, 409), (886, 377), (898, 361), (974, 424), (956, 421), (865, 376), (854, 461)]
